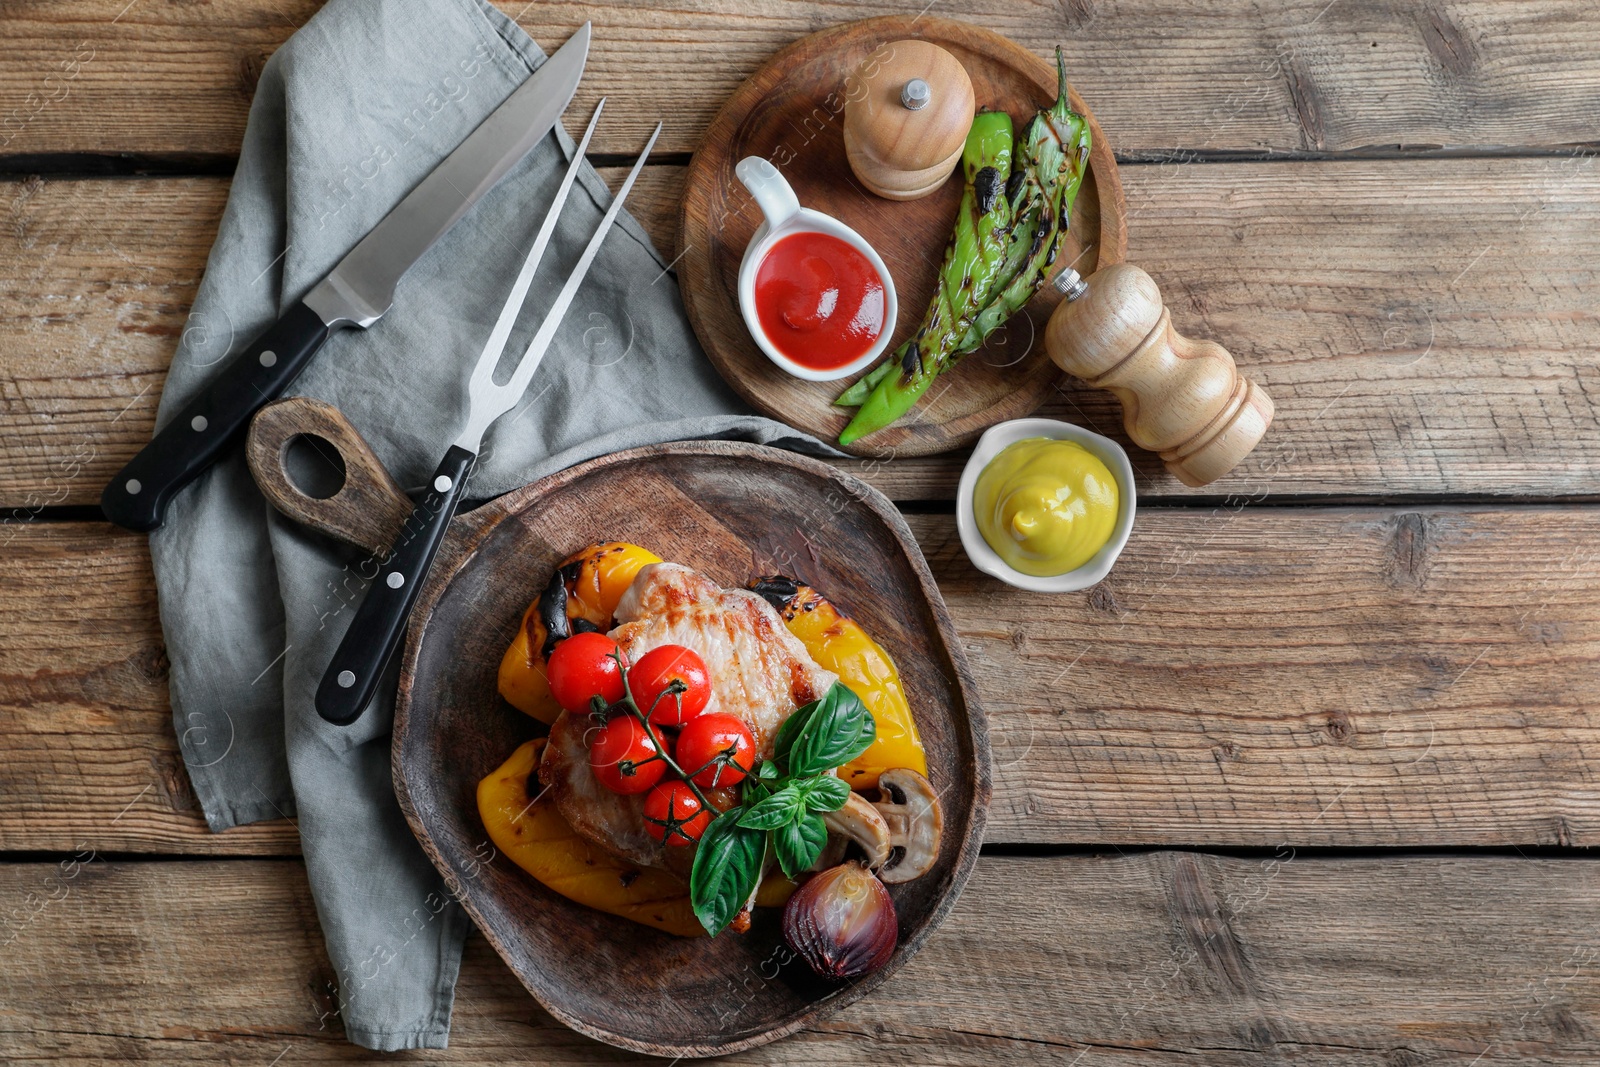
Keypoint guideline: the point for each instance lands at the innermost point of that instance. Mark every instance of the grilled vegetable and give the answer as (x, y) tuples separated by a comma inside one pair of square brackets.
[(1049, 160), (1052, 155), (582, 595), (973, 261), (839, 644), (534, 836), (842, 922)]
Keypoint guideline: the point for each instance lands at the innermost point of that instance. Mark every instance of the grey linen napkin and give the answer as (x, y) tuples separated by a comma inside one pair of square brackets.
[(349, 114)]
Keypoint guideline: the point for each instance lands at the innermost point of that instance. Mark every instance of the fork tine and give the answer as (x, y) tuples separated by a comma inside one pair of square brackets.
[(534, 354), (496, 343)]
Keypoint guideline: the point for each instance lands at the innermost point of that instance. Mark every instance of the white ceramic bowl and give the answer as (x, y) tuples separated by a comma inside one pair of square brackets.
[(987, 560), (785, 216)]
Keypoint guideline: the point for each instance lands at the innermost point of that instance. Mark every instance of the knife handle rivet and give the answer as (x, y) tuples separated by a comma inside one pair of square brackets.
[(268, 358), (198, 423), (133, 486), (346, 679), (442, 483), (395, 580)]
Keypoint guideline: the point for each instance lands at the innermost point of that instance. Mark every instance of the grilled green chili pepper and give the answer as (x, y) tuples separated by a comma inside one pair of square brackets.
[(969, 275), (862, 387), (1052, 155), (1050, 158)]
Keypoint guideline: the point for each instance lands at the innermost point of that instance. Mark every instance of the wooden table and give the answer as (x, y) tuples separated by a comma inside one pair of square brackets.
[(1310, 778)]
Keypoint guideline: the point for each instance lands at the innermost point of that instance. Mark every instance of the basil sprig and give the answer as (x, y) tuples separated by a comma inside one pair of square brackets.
[(825, 733), (781, 806), (726, 871)]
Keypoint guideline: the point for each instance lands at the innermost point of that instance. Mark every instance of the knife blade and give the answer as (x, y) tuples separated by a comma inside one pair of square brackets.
[(356, 293)]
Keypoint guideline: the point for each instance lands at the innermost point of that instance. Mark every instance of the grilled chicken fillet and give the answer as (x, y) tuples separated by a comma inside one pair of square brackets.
[(759, 671)]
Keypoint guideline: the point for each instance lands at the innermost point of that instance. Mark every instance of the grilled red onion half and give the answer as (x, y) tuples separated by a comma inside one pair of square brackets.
[(842, 922)]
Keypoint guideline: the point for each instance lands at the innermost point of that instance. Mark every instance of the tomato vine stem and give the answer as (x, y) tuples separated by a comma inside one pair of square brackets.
[(632, 707)]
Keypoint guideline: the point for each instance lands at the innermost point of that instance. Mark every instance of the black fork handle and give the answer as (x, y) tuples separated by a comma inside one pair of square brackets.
[(380, 622)]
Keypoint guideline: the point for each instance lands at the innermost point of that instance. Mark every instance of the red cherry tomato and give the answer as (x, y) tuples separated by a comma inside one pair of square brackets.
[(674, 815), (624, 758), (650, 678), (582, 667), (715, 750)]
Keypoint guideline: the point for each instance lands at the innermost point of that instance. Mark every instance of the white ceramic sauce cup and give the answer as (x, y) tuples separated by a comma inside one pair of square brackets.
[(991, 444), (785, 216)]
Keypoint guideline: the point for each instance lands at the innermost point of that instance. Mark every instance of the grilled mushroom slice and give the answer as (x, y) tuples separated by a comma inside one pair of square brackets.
[(859, 822), (910, 809)]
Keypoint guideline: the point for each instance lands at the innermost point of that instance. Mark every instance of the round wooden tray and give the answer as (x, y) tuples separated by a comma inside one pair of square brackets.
[(791, 111), (607, 977)]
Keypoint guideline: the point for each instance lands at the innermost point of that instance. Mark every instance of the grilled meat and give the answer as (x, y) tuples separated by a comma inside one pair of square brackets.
[(759, 672)]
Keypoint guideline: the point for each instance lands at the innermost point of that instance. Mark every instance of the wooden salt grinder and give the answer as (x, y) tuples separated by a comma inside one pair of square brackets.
[(1182, 398), (907, 111)]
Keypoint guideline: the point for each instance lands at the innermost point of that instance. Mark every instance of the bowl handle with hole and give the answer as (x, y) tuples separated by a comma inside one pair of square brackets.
[(369, 508)]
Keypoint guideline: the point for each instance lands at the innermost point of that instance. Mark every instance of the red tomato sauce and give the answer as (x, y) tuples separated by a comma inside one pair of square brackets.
[(820, 301)]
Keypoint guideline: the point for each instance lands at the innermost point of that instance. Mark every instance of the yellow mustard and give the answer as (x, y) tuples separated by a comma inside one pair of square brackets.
[(1045, 506)]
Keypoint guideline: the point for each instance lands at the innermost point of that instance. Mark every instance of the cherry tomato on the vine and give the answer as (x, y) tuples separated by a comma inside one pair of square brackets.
[(651, 680), (674, 815), (715, 750), (624, 758), (582, 666)]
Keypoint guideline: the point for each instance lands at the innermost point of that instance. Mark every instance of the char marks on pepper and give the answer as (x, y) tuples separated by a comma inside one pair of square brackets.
[(552, 613), (776, 589), (986, 188)]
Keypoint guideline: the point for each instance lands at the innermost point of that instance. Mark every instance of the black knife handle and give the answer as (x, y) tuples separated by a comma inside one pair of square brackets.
[(138, 496), (374, 634)]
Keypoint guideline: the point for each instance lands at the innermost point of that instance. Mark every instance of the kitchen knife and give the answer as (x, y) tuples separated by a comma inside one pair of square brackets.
[(357, 292), (374, 634)]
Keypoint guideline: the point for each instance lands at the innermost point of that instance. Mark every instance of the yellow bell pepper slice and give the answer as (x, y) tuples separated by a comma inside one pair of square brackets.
[(595, 580), (775, 889), (536, 838), (522, 678), (839, 644)]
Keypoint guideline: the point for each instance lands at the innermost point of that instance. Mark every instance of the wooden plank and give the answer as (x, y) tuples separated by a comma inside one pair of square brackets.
[(1136, 960), (1362, 676), (99, 279), (90, 76), (1424, 327), (1333, 676), (91, 757)]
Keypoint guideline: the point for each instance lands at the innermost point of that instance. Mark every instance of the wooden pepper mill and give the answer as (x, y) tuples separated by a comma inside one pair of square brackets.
[(906, 116), (1182, 398)]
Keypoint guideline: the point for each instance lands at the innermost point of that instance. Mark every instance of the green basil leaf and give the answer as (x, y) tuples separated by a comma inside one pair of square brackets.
[(766, 770), (826, 793), (837, 731), (771, 813), (784, 741), (727, 869), (799, 844)]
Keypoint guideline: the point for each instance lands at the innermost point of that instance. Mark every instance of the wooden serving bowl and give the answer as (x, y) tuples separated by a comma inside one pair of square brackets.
[(734, 511), (791, 112)]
